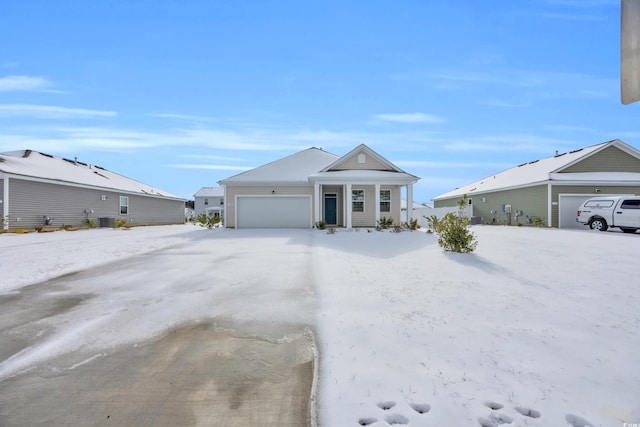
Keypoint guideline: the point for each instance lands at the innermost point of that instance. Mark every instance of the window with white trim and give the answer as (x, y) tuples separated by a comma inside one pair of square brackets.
[(357, 200), (385, 200), (206, 202), (124, 205)]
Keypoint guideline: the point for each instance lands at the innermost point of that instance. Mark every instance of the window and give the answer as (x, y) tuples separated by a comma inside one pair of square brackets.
[(385, 200), (206, 202), (630, 204), (599, 204), (221, 202), (124, 205), (357, 200)]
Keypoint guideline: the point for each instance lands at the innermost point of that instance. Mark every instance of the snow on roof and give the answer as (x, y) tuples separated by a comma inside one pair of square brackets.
[(210, 192), (295, 168), (529, 173), (34, 164)]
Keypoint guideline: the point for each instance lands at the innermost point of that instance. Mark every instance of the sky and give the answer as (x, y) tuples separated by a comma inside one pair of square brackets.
[(405, 333), (182, 94)]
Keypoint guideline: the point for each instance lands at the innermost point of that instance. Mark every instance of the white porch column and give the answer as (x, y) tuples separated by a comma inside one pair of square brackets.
[(348, 205), (5, 203), (377, 198), (409, 202), (316, 203)]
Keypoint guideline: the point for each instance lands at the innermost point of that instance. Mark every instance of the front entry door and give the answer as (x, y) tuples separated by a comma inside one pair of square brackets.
[(330, 209)]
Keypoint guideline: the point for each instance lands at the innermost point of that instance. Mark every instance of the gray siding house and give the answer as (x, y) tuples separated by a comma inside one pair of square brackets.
[(209, 200), (40, 189), (551, 189)]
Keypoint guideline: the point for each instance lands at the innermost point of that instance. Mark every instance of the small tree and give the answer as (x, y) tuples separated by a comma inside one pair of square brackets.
[(453, 230)]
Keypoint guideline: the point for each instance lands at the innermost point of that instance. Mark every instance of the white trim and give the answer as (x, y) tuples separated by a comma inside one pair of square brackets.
[(549, 206), (377, 201), (348, 205), (316, 200), (5, 201), (409, 200)]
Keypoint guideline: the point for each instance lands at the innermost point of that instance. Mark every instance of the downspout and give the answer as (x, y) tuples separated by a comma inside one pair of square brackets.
[(5, 202), (549, 203)]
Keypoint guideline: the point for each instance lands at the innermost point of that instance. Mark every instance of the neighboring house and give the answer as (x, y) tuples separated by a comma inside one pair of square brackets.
[(551, 189), (302, 189), (209, 200), (40, 189)]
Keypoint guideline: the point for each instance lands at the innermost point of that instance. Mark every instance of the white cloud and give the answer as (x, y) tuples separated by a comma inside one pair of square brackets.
[(188, 117), (50, 111), (410, 118), (23, 83)]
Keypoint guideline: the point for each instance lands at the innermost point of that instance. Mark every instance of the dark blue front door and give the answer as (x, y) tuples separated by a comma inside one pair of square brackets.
[(330, 214)]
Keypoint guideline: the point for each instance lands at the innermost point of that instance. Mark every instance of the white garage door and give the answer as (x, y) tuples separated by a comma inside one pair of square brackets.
[(568, 206), (273, 212)]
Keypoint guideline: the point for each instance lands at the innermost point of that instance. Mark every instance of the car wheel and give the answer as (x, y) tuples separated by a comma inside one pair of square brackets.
[(628, 230), (598, 224)]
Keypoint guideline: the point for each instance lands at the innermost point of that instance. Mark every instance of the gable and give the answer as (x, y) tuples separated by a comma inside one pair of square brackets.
[(360, 161), (610, 159), (362, 158)]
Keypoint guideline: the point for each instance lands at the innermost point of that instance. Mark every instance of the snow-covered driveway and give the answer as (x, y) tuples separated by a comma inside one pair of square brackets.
[(539, 327)]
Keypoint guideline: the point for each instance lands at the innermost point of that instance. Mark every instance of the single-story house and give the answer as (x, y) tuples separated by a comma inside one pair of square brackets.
[(40, 189), (305, 188), (550, 190), (210, 201)]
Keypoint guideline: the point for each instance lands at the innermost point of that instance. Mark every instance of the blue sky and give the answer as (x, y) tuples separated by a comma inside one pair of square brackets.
[(181, 94)]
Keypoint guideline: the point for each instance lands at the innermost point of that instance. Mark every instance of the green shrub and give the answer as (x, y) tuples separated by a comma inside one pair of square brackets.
[(208, 221), (384, 223), (91, 223), (119, 223), (412, 224), (321, 225), (453, 230), (538, 222)]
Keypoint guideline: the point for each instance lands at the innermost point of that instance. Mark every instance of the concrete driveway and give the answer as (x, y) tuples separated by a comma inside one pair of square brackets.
[(213, 332)]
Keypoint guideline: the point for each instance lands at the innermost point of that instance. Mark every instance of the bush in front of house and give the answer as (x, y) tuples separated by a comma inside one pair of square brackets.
[(453, 230), (208, 221)]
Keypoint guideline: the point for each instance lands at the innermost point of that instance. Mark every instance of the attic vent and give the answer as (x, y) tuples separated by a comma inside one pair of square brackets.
[(27, 153), (559, 155), (99, 167), (362, 158), (575, 151), (47, 155), (81, 163), (535, 161), (98, 173), (69, 160), (522, 164)]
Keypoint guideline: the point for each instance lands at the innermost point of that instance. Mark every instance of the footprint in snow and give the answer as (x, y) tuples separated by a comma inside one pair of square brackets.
[(532, 413), (577, 421), (367, 421)]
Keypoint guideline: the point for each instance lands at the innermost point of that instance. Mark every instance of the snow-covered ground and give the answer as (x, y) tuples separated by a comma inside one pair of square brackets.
[(538, 327)]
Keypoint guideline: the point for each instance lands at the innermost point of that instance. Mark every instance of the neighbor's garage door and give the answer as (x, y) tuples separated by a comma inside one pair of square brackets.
[(273, 212), (568, 207)]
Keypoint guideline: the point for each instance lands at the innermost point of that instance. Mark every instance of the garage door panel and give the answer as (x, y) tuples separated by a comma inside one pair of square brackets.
[(273, 212)]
